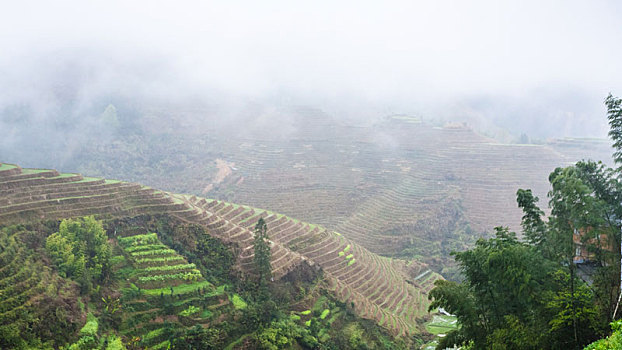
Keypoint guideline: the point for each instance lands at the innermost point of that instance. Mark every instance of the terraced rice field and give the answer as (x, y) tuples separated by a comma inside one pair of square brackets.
[(374, 285), (379, 288), (399, 187), (163, 286)]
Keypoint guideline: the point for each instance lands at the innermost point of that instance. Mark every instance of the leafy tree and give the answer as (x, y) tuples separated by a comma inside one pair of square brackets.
[(614, 115), (80, 250), (61, 250), (534, 227), (510, 295), (215, 257), (570, 200), (458, 300), (109, 117)]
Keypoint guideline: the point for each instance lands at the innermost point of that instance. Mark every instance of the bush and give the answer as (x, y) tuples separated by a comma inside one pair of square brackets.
[(115, 343), (238, 302), (90, 327), (613, 342), (80, 250), (324, 313)]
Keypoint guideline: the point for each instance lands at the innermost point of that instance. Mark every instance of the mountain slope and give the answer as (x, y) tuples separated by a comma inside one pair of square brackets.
[(389, 292)]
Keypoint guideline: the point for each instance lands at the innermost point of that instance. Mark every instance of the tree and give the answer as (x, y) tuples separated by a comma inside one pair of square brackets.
[(61, 250), (574, 211), (534, 227), (614, 115), (527, 295), (504, 291), (80, 249), (262, 254)]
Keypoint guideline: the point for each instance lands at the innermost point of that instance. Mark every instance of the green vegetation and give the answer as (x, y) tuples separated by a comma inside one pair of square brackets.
[(612, 342), (238, 302), (441, 324), (5, 166), (262, 254), (80, 251), (324, 313), (531, 294)]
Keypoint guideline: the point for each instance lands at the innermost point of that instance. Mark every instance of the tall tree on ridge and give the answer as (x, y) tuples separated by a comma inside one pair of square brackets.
[(262, 254), (614, 114)]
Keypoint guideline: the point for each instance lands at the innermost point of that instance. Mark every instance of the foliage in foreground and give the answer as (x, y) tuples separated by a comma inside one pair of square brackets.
[(531, 294), (612, 342)]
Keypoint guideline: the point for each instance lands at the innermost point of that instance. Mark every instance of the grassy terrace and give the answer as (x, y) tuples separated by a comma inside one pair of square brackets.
[(33, 171), (5, 166), (36, 193), (162, 284)]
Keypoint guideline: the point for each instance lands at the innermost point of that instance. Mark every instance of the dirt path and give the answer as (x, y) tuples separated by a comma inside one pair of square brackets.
[(224, 170)]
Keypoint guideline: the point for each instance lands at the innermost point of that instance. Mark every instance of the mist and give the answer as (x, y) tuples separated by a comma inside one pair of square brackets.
[(508, 68)]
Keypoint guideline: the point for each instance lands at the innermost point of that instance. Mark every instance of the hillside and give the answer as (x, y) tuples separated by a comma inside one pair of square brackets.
[(400, 187), (393, 293)]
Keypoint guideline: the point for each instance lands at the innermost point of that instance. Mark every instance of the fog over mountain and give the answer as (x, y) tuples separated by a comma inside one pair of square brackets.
[(504, 68)]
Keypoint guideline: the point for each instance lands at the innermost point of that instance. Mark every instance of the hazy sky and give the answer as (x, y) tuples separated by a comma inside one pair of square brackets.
[(414, 56)]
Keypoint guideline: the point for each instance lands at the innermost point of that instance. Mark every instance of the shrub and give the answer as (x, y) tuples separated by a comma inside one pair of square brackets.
[(324, 313), (191, 310), (80, 249), (613, 342), (115, 343), (238, 302), (90, 327)]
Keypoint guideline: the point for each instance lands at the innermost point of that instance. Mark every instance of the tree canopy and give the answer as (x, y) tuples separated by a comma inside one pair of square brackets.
[(532, 293), (80, 250)]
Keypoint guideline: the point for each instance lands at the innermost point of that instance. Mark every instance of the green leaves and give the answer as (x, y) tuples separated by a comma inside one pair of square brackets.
[(80, 250), (503, 278), (614, 115), (533, 226)]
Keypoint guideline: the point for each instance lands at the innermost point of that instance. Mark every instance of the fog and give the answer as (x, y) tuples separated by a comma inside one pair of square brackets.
[(541, 68)]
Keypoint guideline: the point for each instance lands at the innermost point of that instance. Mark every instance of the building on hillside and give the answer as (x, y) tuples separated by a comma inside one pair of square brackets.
[(585, 246)]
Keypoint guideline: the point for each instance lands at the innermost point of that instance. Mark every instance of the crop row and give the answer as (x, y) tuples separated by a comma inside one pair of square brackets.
[(159, 251), (185, 276), (169, 267), (136, 248)]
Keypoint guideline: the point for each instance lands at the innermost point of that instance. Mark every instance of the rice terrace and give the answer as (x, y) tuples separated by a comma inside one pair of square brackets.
[(358, 175), (379, 253)]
